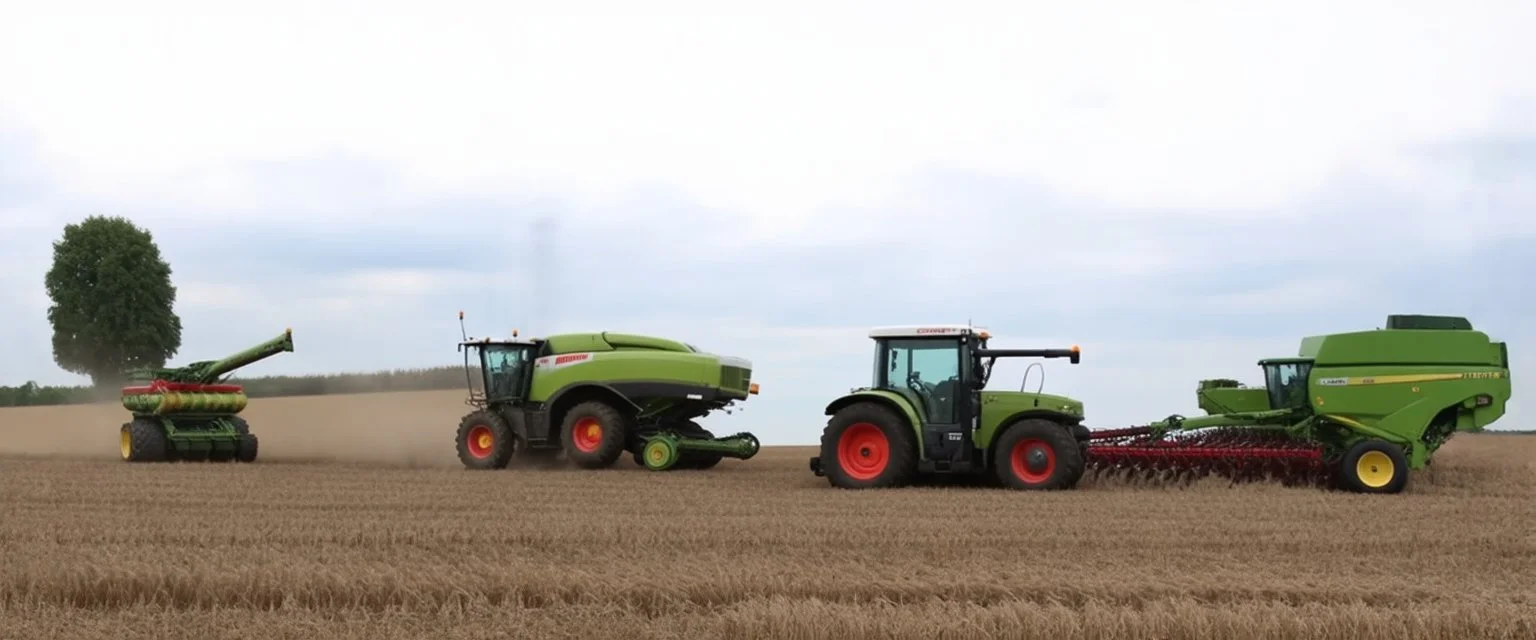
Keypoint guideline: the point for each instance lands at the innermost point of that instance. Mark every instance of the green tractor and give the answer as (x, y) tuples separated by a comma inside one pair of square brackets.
[(927, 413), (595, 396), (1355, 410), (188, 413)]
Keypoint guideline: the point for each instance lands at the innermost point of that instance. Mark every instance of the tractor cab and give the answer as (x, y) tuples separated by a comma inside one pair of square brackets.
[(1286, 381), (931, 366)]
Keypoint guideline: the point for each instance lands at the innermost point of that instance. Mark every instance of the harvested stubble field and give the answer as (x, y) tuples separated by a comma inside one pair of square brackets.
[(357, 523)]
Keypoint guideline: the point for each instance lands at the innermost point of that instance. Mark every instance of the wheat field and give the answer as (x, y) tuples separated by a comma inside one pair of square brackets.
[(357, 523)]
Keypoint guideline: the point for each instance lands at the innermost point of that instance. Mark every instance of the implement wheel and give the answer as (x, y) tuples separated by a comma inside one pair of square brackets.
[(484, 440), (594, 434), (1039, 455), (1373, 466), (867, 446), (246, 444), (143, 441)]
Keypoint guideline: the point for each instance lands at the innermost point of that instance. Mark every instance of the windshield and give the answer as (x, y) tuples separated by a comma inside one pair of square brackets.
[(506, 366), (1287, 384)]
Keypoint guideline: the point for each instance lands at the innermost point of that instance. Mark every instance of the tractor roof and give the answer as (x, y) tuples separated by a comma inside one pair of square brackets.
[(926, 331)]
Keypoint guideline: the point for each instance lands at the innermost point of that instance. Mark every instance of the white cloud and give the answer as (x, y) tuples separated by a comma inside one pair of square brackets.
[(1196, 106)]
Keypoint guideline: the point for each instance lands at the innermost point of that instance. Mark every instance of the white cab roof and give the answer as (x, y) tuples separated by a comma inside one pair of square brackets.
[(925, 330)]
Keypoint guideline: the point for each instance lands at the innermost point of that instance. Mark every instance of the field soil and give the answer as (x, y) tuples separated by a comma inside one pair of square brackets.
[(358, 523)]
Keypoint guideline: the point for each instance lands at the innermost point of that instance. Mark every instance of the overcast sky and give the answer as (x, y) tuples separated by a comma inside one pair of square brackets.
[(1180, 188)]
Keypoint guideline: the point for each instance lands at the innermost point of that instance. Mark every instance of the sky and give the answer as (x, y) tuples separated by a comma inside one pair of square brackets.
[(1180, 188)]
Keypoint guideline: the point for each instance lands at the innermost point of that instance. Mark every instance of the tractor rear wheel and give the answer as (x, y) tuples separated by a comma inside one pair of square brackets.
[(594, 434), (144, 441), (1373, 466), (1037, 454), (865, 446), (484, 440)]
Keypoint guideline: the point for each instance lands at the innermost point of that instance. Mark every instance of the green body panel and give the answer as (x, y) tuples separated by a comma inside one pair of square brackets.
[(1001, 408), (1415, 387), (900, 403), (194, 435), (1227, 396), (557, 372), (998, 409), (178, 402)]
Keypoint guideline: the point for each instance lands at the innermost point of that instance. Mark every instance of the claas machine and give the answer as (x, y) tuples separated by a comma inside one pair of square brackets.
[(595, 396), (1354, 411), (926, 413), (188, 413)]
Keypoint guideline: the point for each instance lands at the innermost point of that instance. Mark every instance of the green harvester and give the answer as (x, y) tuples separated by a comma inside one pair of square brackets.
[(594, 396), (1355, 411), (188, 413)]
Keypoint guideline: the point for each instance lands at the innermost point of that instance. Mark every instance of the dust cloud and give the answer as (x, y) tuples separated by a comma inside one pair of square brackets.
[(414, 429)]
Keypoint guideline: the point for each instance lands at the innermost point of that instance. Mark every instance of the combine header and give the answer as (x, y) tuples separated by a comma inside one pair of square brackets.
[(187, 413), (1354, 411)]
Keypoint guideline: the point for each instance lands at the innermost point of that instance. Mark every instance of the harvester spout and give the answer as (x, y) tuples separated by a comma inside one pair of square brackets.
[(262, 351)]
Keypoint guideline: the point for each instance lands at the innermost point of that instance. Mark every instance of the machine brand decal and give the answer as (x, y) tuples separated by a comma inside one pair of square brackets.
[(695, 396), (1426, 377), (936, 330), (556, 362), (954, 435), (1482, 375), (1333, 382)]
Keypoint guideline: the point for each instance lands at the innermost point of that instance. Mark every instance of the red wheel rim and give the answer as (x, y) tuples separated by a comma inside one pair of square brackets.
[(587, 434), (863, 451), (1021, 460), (481, 441)]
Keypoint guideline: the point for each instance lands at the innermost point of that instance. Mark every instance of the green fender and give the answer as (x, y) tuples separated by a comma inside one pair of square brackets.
[(890, 399)]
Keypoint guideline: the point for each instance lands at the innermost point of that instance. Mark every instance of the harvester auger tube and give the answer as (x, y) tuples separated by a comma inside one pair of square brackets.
[(1355, 411), (187, 413)]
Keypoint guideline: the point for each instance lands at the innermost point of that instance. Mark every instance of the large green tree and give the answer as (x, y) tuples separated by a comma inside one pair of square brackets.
[(112, 300)]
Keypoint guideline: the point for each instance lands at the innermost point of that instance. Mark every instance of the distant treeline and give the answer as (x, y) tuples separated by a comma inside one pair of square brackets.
[(430, 379)]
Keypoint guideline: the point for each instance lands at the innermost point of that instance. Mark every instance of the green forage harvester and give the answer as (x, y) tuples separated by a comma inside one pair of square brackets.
[(188, 413)]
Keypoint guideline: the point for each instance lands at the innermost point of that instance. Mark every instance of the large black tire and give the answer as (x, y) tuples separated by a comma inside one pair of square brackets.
[(145, 441), (603, 433), (245, 448), (1373, 466), (484, 440), (1036, 454), (866, 445)]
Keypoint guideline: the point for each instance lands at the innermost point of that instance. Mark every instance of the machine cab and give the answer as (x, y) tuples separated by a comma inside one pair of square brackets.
[(505, 368), (1286, 381), (928, 365)]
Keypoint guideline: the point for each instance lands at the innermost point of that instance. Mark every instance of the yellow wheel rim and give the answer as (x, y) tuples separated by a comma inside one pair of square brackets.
[(125, 443), (1375, 469)]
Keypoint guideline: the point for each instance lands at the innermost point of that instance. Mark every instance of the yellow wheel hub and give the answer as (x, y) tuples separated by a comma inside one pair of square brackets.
[(126, 444), (658, 454), (484, 441), (594, 431), (1375, 469)]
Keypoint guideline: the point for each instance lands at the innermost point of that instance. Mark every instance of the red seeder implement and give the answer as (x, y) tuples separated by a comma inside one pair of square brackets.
[(1237, 453)]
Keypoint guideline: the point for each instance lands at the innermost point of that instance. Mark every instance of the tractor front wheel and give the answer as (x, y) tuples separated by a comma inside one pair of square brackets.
[(1373, 466), (866, 446), (484, 440), (594, 434), (1039, 455)]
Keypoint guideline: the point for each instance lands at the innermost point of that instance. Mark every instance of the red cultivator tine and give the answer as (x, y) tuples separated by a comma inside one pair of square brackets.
[(1238, 454)]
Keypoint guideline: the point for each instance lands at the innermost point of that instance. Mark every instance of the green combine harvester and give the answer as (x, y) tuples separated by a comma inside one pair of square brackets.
[(594, 396), (188, 413), (1354, 411), (926, 413)]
